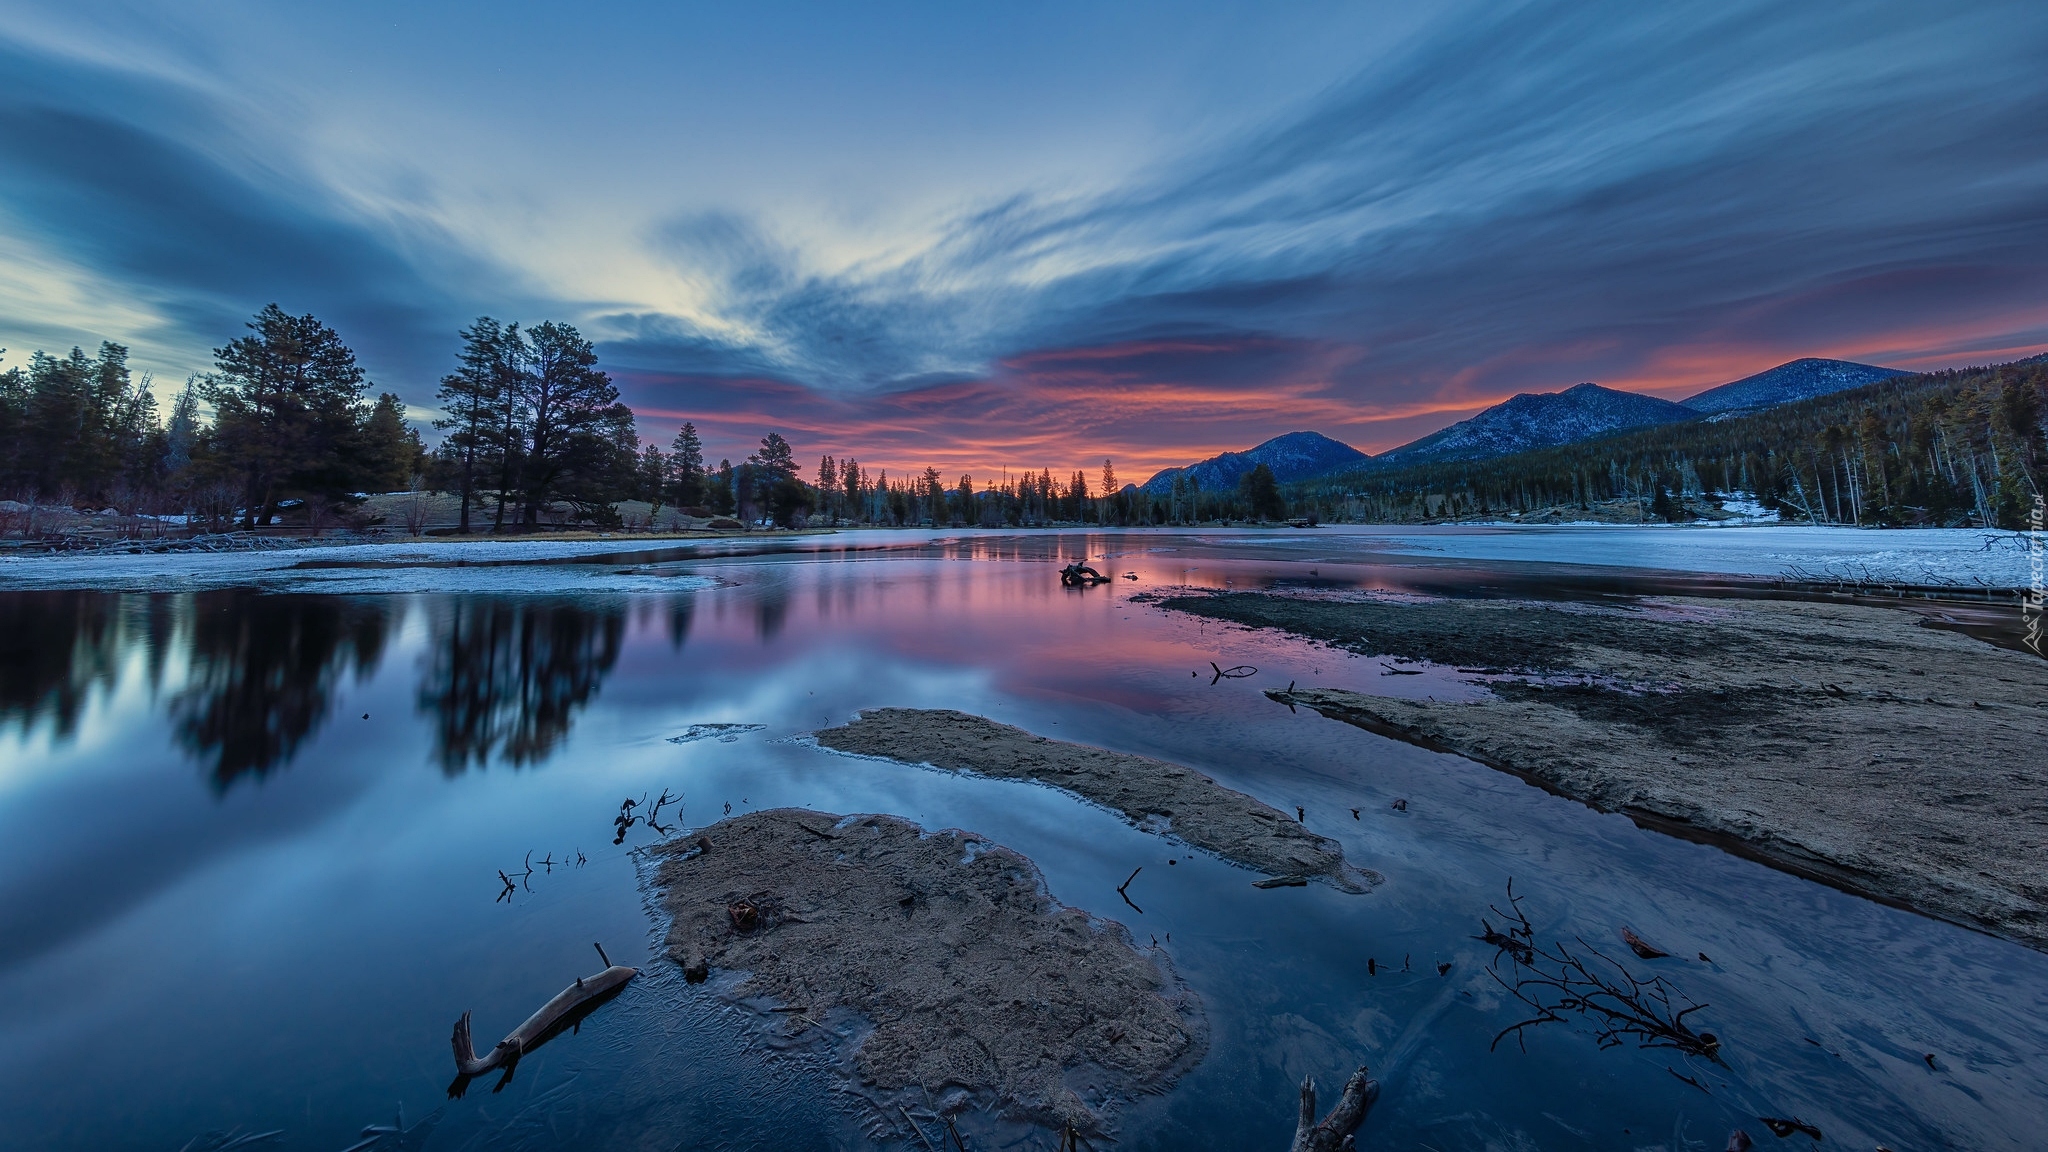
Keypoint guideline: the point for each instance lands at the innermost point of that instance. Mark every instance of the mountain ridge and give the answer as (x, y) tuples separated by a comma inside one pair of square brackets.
[(1528, 421), (1800, 379), (1539, 420), (1292, 456)]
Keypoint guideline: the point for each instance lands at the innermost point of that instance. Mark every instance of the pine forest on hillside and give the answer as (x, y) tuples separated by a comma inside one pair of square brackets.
[(1956, 448)]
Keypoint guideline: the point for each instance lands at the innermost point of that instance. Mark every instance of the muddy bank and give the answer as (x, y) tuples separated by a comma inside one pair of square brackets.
[(969, 973), (1846, 743), (1154, 794)]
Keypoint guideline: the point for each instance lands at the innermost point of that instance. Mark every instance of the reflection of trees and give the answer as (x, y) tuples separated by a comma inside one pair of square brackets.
[(263, 671), (56, 647), (773, 613), (680, 609), (507, 677)]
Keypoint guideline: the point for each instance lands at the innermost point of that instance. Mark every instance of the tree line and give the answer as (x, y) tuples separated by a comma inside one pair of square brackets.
[(292, 423), (1958, 448), (285, 422)]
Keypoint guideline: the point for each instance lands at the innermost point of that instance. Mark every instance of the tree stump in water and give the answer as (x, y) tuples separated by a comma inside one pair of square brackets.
[(1333, 1134)]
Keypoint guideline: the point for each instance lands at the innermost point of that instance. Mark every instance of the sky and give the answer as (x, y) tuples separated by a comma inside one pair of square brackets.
[(1025, 235)]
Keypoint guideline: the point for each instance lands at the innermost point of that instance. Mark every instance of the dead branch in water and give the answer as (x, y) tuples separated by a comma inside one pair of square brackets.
[(565, 1010), (1557, 983), (1640, 946), (650, 816), (1126, 884), (1235, 672), (1334, 1132)]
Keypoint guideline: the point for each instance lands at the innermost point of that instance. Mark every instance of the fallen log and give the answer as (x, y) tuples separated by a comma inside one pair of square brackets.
[(1334, 1133), (567, 1009)]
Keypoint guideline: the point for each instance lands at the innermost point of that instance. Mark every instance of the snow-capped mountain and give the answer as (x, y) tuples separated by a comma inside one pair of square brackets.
[(1795, 380), (1539, 420), (1295, 456)]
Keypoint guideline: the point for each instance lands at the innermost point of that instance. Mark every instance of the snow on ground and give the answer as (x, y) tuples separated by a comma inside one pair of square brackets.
[(490, 566), (1962, 557), (1966, 557)]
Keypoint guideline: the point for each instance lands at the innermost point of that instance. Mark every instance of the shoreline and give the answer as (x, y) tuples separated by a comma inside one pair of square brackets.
[(1841, 743), (1156, 796)]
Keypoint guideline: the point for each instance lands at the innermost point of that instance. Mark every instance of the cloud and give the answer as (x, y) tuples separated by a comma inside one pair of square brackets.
[(150, 190), (1523, 199), (1508, 198)]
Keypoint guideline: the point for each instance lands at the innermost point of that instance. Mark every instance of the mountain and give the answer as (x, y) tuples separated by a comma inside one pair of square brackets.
[(1539, 420), (1797, 380), (1295, 456)]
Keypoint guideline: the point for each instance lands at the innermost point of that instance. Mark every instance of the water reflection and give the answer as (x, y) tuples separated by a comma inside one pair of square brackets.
[(57, 648), (262, 674), (508, 677), (251, 678)]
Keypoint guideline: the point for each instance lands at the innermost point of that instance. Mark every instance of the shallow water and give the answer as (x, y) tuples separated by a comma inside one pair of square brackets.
[(253, 845)]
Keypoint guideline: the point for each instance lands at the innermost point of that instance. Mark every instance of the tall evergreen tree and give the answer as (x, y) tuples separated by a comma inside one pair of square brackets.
[(571, 432), (686, 466), (654, 481), (471, 398), (722, 496), (391, 450), (287, 401), (778, 487), (1262, 494)]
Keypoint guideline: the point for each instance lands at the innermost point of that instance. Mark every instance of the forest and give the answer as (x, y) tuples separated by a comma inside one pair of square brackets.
[(283, 431), (1960, 448)]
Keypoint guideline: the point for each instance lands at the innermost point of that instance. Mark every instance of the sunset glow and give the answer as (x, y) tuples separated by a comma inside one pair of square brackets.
[(985, 242)]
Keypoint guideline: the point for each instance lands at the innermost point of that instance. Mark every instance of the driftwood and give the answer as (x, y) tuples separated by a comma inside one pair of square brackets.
[(1334, 1133), (1078, 575), (1556, 981), (1640, 946), (566, 1010)]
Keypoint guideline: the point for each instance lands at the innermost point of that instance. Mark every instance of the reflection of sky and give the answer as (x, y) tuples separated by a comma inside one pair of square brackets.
[(1033, 237), (291, 952)]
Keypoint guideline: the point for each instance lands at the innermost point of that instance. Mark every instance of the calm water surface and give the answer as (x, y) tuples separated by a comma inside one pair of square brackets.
[(252, 845)]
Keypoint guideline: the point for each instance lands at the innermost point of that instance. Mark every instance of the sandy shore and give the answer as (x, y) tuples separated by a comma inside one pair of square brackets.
[(970, 975), (1153, 794), (1845, 743)]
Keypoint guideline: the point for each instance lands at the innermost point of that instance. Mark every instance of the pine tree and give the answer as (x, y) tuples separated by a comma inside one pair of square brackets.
[(391, 451), (287, 402), (1261, 494), (686, 465), (722, 498), (574, 437), (849, 479), (472, 396)]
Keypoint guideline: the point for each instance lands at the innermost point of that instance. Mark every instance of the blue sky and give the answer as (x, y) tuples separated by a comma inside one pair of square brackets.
[(1028, 235)]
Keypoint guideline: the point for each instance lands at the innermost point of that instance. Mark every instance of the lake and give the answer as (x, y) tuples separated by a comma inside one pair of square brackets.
[(254, 828)]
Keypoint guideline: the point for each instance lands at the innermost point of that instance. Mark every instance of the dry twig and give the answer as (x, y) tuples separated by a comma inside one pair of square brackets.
[(1557, 983)]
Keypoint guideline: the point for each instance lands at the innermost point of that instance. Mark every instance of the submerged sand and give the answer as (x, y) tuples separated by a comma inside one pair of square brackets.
[(949, 947), (1842, 742), (1155, 795)]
